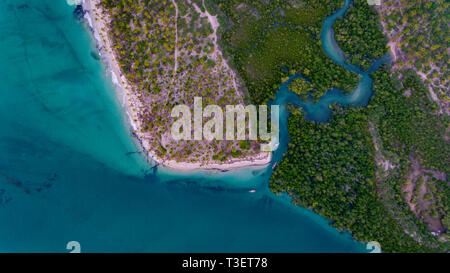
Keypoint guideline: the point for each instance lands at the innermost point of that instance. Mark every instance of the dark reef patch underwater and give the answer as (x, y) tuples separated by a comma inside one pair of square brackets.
[(78, 13)]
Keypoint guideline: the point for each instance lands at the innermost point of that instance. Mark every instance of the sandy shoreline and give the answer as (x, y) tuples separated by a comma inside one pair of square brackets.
[(131, 103)]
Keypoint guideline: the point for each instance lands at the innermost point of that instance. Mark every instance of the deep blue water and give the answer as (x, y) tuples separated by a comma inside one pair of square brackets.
[(70, 169)]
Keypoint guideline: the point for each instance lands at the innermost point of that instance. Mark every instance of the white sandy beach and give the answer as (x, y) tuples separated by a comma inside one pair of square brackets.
[(132, 104)]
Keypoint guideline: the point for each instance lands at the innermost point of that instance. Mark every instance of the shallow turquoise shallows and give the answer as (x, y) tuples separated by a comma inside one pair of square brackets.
[(70, 169)]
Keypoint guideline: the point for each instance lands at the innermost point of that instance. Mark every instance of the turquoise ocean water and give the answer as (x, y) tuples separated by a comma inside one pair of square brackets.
[(70, 169)]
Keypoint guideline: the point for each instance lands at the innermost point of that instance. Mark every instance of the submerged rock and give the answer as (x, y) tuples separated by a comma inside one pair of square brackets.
[(95, 56), (79, 12)]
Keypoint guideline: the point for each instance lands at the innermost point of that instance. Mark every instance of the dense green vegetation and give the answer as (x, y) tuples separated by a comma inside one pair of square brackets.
[(359, 35), (330, 169), (410, 129), (268, 40), (409, 124), (301, 87)]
